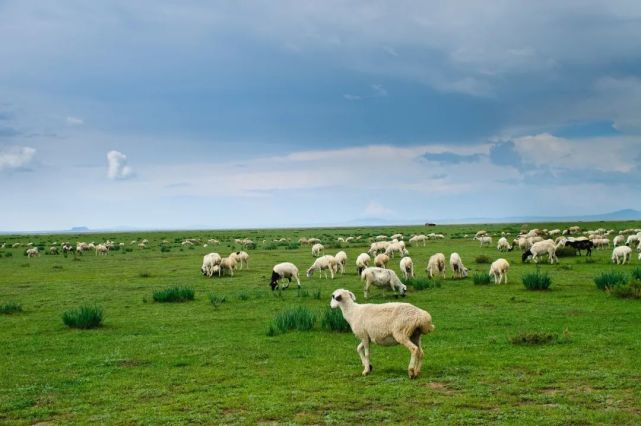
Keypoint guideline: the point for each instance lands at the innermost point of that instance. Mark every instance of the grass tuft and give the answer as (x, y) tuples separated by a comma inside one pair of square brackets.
[(627, 291), (84, 317), (610, 279), (534, 338), (636, 273), (537, 280), (332, 320), (10, 308), (243, 296), (481, 279), (422, 283), (174, 295), (144, 274), (216, 300), (300, 318), (482, 259)]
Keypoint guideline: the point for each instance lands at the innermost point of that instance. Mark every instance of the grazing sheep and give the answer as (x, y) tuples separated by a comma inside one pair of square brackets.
[(418, 239), (15, 245), (381, 260), (323, 263), (396, 247), (397, 237), (284, 270), (32, 252), (385, 324), (241, 257), (317, 249), (436, 265), (226, 264), (210, 261), (632, 240), (303, 241), (313, 241), (578, 245), (362, 262), (619, 240), (407, 267), (456, 264), (541, 248), (53, 250), (485, 241), (380, 238), (498, 270), (503, 245), (382, 278), (378, 247), (142, 246), (102, 250), (621, 255), (341, 259)]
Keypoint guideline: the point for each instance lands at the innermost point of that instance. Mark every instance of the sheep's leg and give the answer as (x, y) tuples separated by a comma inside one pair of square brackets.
[(363, 352), (414, 350), (416, 339), (366, 289), (297, 281)]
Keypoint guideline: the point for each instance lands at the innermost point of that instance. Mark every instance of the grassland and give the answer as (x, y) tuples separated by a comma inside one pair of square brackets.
[(196, 362)]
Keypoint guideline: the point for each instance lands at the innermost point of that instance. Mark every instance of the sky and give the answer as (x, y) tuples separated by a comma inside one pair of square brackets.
[(189, 114)]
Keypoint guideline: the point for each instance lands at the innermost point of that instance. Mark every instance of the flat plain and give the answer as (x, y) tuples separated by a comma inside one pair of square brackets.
[(195, 362)]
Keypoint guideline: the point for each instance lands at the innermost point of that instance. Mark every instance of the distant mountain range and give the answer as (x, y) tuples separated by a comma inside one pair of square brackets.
[(619, 215)]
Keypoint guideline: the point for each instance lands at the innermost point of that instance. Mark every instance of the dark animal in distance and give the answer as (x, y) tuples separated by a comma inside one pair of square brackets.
[(581, 245)]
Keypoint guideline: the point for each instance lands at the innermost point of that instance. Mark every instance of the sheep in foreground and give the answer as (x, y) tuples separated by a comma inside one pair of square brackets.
[(541, 248), (323, 263), (210, 261), (436, 265), (407, 267), (341, 260), (381, 260), (317, 249), (456, 264), (498, 270), (241, 258), (385, 324), (621, 255), (362, 262), (284, 270), (382, 278)]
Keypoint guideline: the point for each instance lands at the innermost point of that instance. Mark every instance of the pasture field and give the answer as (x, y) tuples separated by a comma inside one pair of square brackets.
[(194, 362)]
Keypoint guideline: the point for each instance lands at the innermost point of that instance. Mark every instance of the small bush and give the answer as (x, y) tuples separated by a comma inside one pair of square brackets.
[(481, 279), (84, 317), (636, 273), (10, 308), (482, 259), (174, 295), (216, 300), (610, 279), (627, 291), (565, 252), (300, 318), (536, 281), (534, 338), (332, 320), (422, 283)]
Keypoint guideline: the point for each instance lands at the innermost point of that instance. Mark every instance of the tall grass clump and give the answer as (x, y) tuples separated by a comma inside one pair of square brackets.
[(216, 300), (481, 278), (534, 338), (627, 291), (300, 318), (174, 294), (636, 273), (10, 308), (84, 317), (536, 280), (610, 279), (420, 283), (482, 259), (332, 320)]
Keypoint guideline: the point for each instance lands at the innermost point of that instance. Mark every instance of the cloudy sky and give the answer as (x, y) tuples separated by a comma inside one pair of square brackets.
[(162, 114)]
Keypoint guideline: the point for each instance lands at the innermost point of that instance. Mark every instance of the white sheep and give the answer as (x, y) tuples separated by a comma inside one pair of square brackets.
[(102, 250), (498, 270), (284, 270), (484, 240), (396, 247), (241, 257), (323, 263), (503, 245), (313, 241), (362, 262), (436, 265), (418, 239), (378, 247), (381, 260), (210, 261), (407, 267), (621, 255), (385, 324), (341, 260), (32, 252), (226, 264), (456, 264), (382, 278), (541, 248), (618, 240), (317, 249)]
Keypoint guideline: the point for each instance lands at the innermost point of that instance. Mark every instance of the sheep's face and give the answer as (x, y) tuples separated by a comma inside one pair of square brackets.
[(465, 271), (339, 295), (310, 272), (402, 289)]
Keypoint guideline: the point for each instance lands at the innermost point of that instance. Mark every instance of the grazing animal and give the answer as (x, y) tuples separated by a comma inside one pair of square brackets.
[(317, 249), (419, 239), (485, 241), (341, 259), (541, 248), (381, 260), (284, 270), (383, 278), (210, 261), (407, 267), (436, 265), (621, 255), (362, 262), (579, 245), (323, 263), (499, 269), (241, 257), (385, 324), (503, 245), (226, 264), (456, 264), (33, 252)]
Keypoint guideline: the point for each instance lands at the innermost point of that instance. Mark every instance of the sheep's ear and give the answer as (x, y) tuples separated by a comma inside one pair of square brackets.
[(352, 296)]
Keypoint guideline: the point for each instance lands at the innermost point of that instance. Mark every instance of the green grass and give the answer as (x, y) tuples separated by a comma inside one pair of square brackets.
[(174, 295), (534, 338), (421, 283), (482, 259), (216, 300), (299, 318), (10, 308), (178, 363), (609, 279), (537, 280), (481, 278), (332, 320), (83, 317), (636, 273)]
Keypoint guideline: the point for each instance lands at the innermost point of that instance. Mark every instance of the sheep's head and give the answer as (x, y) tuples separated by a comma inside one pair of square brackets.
[(525, 255), (402, 289), (465, 272), (339, 296), (310, 272)]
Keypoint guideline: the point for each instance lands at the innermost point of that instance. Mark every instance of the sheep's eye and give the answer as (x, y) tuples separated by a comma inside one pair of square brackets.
[(338, 298)]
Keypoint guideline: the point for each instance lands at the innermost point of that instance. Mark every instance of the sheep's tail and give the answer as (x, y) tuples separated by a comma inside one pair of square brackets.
[(426, 325)]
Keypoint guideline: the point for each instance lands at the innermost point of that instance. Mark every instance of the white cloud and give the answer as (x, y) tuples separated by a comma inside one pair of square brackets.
[(377, 210), (74, 121), (117, 167), (14, 157)]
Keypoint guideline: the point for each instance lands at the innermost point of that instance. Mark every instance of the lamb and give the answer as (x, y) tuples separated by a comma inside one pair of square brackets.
[(317, 249), (621, 255), (341, 260), (362, 262), (226, 264), (385, 324), (503, 245), (102, 250), (32, 252), (632, 240), (210, 261), (499, 269), (323, 263), (382, 278), (407, 267), (541, 248), (456, 264), (485, 241), (284, 270), (381, 260), (241, 257), (419, 238), (436, 265)]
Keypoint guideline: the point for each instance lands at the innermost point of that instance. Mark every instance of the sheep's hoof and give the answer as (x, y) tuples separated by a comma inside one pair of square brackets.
[(412, 373), (370, 368)]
